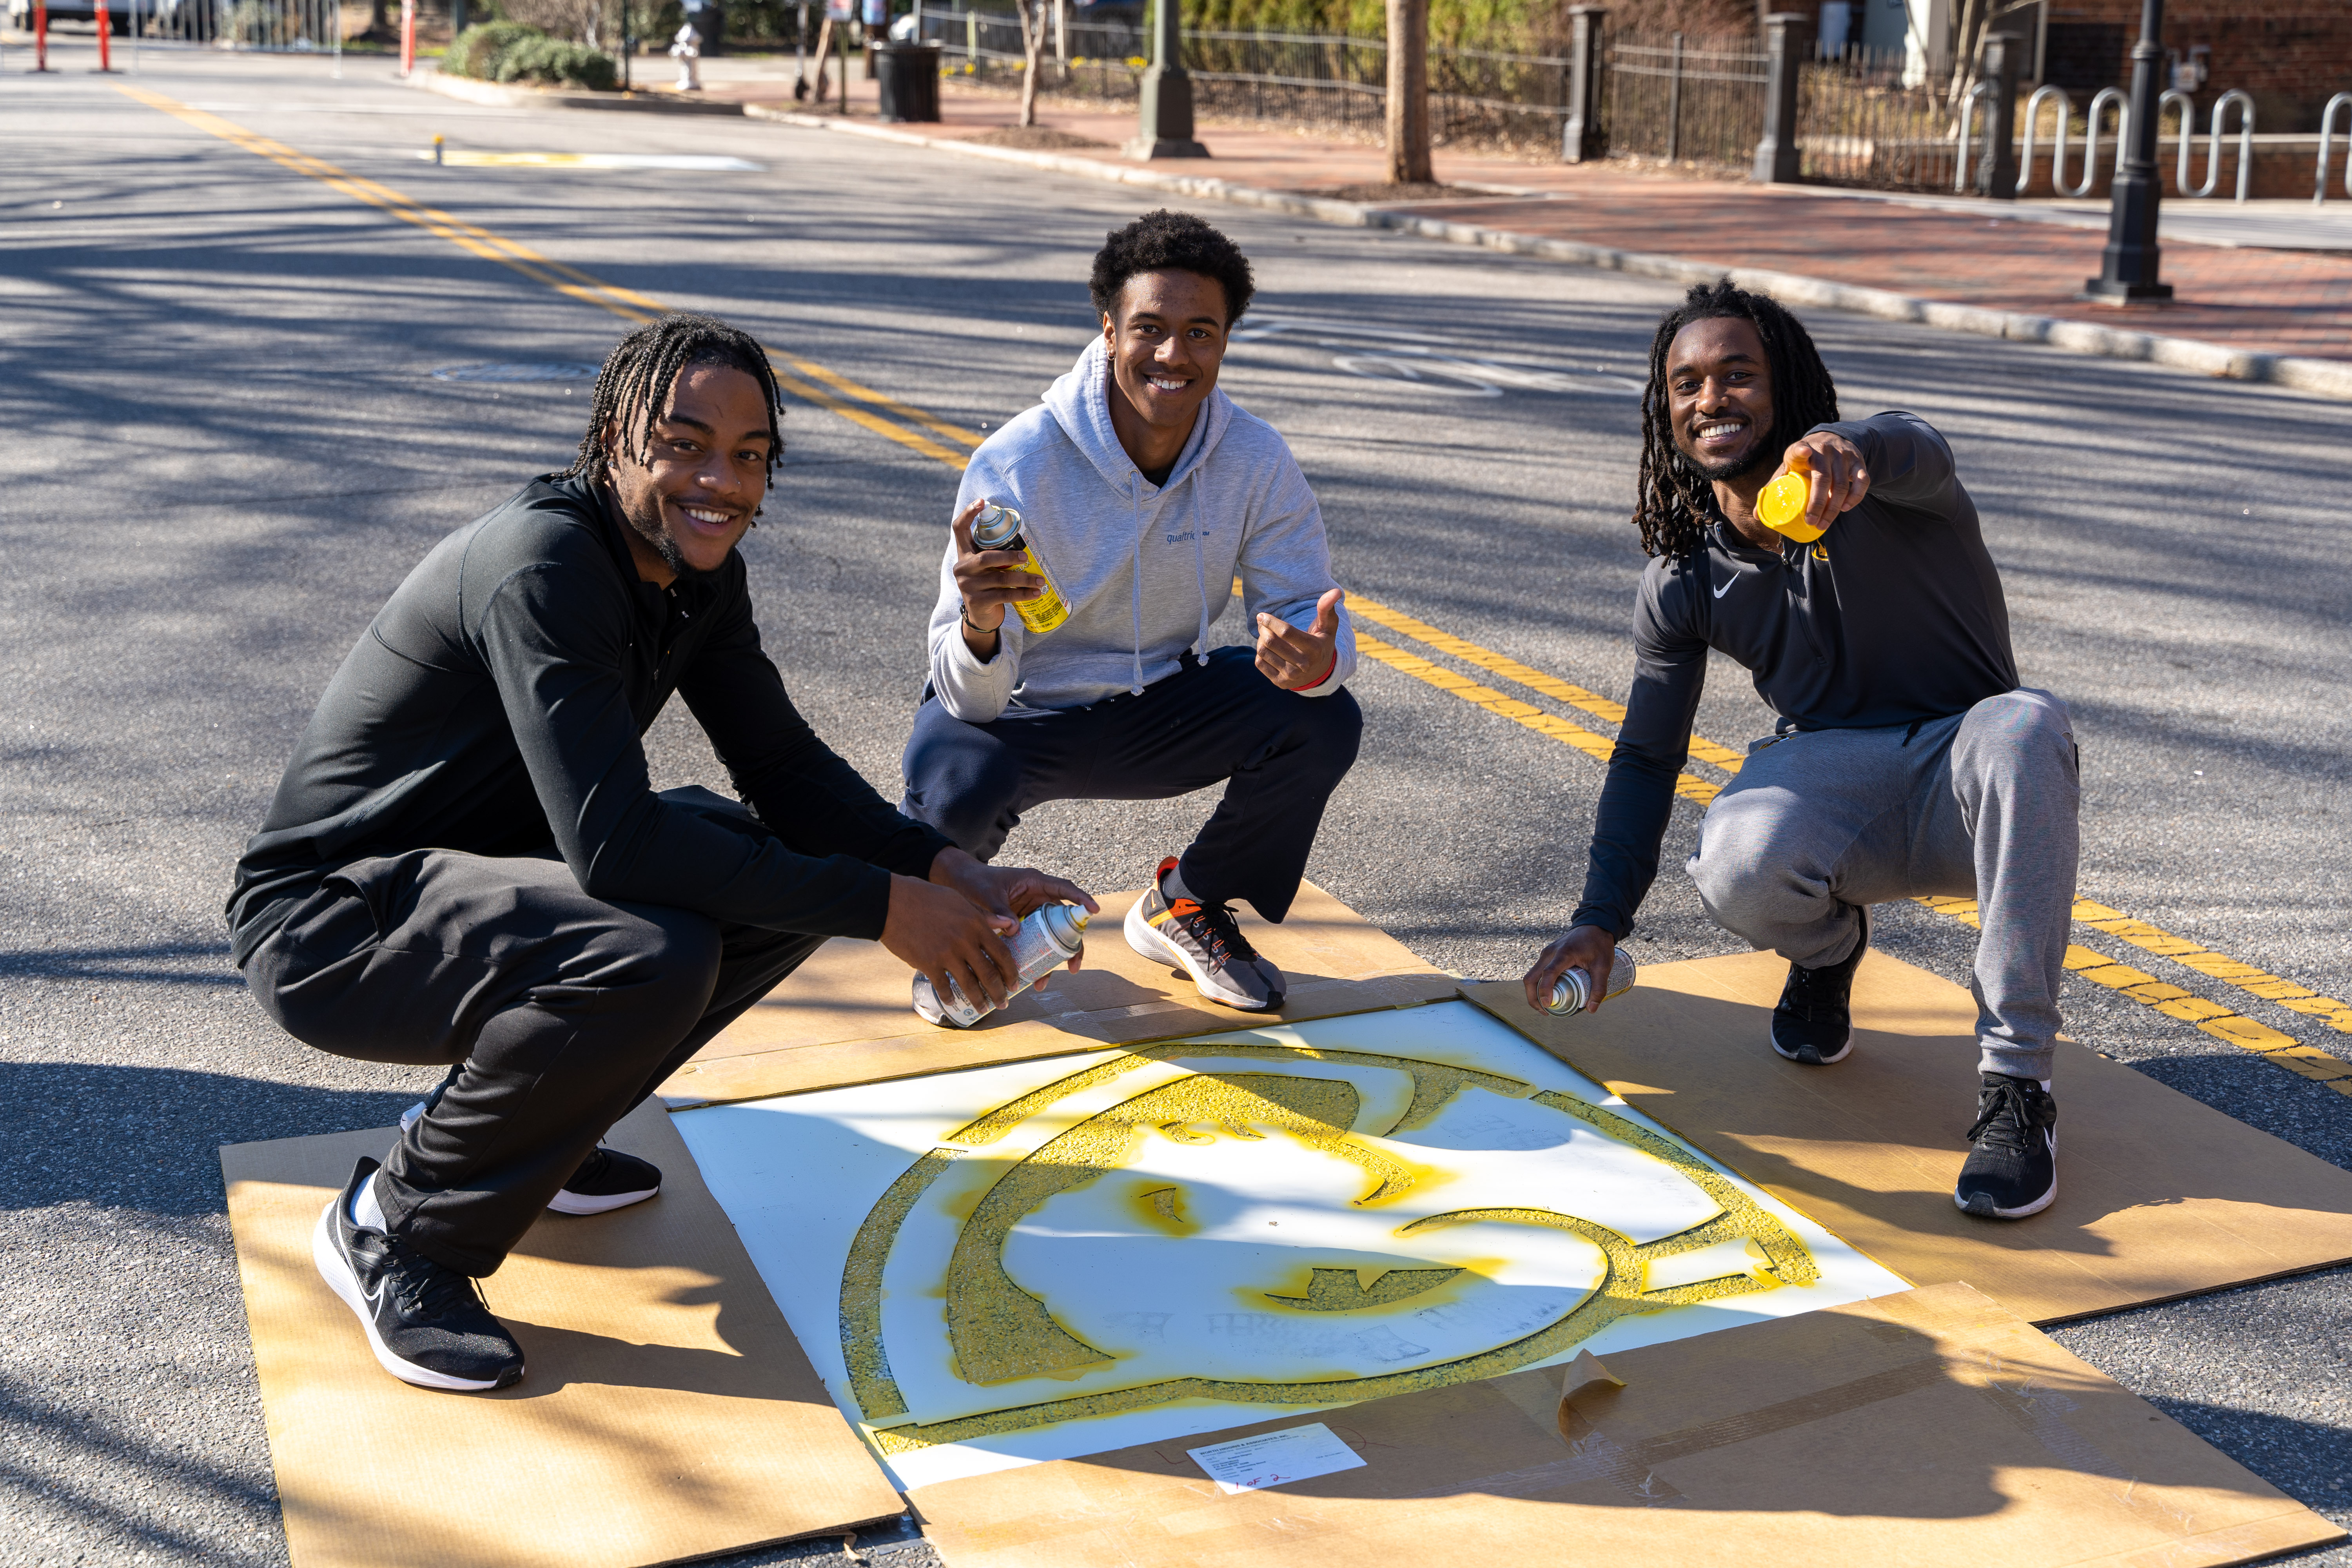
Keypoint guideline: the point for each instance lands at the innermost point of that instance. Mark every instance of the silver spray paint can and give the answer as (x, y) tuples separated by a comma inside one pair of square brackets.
[(1049, 938), (1572, 990)]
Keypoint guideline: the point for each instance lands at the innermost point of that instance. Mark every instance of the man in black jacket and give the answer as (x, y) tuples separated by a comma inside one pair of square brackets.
[(466, 864), (1907, 759)]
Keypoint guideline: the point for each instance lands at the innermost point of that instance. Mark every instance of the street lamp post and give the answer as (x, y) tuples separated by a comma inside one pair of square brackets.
[(1164, 112), (2128, 265)]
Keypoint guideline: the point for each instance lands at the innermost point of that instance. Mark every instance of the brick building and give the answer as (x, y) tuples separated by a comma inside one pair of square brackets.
[(2290, 56)]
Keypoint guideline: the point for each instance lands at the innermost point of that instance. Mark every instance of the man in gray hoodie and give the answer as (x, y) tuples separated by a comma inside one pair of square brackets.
[(1078, 667)]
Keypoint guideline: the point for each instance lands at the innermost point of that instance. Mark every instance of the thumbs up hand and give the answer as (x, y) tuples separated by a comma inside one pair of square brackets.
[(1293, 659)]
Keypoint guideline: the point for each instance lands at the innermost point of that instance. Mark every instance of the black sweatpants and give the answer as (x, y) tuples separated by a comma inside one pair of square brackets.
[(558, 1014), (1206, 723)]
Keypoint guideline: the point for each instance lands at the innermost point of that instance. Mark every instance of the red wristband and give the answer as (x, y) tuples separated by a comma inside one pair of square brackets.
[(1325, 676)]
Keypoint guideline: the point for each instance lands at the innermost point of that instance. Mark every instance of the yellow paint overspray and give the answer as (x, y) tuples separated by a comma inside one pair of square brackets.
[(1780, 1257)]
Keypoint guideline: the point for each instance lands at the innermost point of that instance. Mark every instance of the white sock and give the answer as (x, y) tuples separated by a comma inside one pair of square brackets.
[(366, 1211)]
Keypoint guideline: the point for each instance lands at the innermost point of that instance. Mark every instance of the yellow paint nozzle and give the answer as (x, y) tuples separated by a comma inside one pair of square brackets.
[(1781, 506)]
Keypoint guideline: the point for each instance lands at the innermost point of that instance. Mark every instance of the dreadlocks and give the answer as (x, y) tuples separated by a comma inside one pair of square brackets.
[(1672, 504), (635, 386)]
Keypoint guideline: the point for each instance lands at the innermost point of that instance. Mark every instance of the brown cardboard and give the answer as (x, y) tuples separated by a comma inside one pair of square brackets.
[(845, 1016), (1926, 1428), (2158, 1195), (668, 1412)]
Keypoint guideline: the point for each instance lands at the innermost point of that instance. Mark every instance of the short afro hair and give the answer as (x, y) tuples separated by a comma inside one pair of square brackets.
[(1163, 241)]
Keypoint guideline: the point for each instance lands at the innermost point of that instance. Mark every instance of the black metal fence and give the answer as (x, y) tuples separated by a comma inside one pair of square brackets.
[(1320, 81), (1681, 99), (1857, 124)]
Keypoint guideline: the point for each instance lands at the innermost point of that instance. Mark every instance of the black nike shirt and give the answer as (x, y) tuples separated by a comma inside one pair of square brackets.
[(497, 706), (1894, 615)]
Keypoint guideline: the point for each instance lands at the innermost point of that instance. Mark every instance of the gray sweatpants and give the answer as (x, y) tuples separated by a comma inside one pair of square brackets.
[(1984, 803)]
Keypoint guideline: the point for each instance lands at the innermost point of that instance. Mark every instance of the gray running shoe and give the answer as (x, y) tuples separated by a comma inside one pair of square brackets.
[(1203, 942)]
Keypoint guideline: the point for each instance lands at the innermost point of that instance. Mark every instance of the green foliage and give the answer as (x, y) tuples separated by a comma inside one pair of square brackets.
[(558, 60), (477, 52)]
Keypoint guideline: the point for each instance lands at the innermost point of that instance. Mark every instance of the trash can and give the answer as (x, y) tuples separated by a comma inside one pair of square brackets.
[(909, 77)]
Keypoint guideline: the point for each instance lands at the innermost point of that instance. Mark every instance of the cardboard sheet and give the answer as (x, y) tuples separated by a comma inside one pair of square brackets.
[(1929, 1427), (1041, 1260), (2158, 1195), (846, 1016), (668, 1412)]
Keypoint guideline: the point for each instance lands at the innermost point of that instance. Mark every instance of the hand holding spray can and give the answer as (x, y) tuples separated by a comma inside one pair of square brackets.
[(999, 527), (1049, 938), (1572, 990)]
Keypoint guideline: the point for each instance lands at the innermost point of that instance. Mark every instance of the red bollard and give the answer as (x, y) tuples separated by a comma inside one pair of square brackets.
[(407, 37), (41, 36), (105, 32)]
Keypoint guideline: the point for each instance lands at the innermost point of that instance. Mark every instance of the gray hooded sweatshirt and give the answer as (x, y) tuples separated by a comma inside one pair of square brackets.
[(1144, 568)]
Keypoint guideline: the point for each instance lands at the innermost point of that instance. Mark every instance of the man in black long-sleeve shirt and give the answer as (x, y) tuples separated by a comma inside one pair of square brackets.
[(466, 863), (1907, 760)]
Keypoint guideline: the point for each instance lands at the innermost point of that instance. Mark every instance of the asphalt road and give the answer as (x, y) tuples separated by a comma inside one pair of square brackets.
[(227, 441)]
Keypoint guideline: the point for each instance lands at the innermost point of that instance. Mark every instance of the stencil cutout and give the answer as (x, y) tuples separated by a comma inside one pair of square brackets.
[(1046, 1258)]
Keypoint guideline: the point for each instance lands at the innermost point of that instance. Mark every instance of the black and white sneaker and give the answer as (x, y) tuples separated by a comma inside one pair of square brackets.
[(606, 1180), (2012, 1170), (427, 1323), (1813, 1023), (1202, 940)]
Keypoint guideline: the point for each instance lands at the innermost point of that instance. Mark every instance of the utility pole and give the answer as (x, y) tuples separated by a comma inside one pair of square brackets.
[(2128, 267), (1407, 96)]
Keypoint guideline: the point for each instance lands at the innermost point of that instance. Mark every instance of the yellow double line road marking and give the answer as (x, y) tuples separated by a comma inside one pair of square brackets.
[(2272, 1045), (804, 380), (862, 405)]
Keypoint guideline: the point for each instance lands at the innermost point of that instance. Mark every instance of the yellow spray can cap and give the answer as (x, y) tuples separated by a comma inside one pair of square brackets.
[(1781, 506)]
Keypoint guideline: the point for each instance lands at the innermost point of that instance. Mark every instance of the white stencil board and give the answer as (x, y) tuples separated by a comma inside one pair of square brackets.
[(1055, 1258)]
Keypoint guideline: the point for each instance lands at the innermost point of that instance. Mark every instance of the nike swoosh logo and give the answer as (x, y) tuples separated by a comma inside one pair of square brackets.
[(1719, 593)]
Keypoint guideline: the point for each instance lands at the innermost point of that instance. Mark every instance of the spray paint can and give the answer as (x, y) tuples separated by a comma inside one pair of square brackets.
[(1572, 990), (999, 527), (1049, 938)]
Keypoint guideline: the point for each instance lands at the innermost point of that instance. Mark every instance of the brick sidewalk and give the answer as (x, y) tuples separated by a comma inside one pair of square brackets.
[(2270, 302)]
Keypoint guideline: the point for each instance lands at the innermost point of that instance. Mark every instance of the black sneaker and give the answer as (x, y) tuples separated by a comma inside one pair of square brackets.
[(2012, 1170), (427, 1323), (1202, 940), (607, 1179), (1812, 1024)]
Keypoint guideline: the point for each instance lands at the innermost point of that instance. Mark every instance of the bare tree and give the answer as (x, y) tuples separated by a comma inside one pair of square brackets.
[(1407, 98), (1034, 17)]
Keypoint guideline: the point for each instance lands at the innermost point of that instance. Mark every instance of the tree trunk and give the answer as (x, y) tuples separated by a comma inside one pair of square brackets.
[(1408, 99), (1032, 44)]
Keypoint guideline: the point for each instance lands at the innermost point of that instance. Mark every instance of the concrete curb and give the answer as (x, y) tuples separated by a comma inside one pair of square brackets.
[(2328, 378), (506, 95)]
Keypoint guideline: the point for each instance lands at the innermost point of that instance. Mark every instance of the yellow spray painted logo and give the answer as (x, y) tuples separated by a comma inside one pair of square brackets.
[(1247, 1222)]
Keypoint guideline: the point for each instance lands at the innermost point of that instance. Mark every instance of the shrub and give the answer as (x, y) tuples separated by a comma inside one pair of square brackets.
[(479, 50), (558, 60)]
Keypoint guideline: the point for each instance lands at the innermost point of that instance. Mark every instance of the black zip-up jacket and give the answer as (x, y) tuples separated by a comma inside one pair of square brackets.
[(497, 706), (1894, 615)]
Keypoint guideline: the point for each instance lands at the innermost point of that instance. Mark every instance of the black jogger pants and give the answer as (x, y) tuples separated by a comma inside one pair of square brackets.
[(557, 1014)]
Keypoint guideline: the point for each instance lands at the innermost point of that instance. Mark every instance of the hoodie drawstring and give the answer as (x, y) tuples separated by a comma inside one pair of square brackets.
[(1135, 498), (1200, 574)]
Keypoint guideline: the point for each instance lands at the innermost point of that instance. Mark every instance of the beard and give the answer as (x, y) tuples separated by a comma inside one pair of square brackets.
[(1730, 467), (646, 523)]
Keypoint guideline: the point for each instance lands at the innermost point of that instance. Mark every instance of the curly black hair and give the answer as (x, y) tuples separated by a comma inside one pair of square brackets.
[(1672, 504), (634, 387), (1165, 241)]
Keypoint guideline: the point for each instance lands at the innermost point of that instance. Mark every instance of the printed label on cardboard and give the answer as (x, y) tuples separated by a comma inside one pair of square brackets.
[(1293, 1454)]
